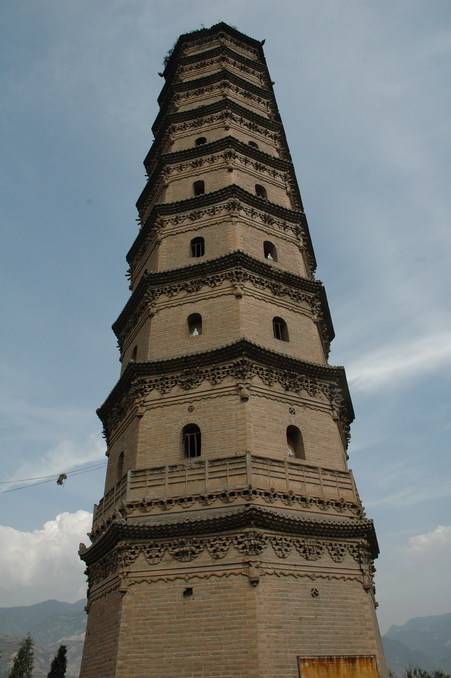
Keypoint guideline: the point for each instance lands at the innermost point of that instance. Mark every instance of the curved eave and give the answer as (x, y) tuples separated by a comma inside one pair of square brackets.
[(205, 56), (215, 197), (233, 519), (232, 261), (222, 75), (213, 147), (218, 28), (201, 111), (241, 349)]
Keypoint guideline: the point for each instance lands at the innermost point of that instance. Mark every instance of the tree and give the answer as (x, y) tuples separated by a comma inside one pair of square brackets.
[(59, 664), (23, 661), (419, 673)]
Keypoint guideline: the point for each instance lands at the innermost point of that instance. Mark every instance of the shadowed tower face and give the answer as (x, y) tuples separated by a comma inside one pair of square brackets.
[(230, 540)]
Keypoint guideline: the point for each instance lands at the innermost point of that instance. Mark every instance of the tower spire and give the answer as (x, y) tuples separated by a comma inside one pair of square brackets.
[(230, 540)]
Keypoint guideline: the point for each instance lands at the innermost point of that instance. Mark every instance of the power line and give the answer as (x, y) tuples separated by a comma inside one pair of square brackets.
[(42, 480)]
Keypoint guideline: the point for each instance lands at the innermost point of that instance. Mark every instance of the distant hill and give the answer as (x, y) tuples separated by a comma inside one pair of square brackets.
[(423, 641), (50, 624)]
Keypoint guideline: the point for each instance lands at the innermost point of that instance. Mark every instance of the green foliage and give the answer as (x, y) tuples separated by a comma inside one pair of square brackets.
[(419, 673), (59, 664), (23, 661)]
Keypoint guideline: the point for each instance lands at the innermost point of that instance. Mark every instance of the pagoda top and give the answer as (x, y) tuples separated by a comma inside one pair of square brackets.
[(202, 33)]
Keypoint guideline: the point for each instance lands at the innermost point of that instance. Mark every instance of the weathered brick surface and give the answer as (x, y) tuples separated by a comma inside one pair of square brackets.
[(102, 637), (208, 618), (234, 563)]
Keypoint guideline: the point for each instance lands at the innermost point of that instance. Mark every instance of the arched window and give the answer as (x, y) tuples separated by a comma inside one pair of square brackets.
[(199, 187), (134, 353), (269, 251), (200, 141), (295, 443), (252, 144), (280, 329), (197, 247), (260, 191), (191, 441), (194, 324), (120, 467)]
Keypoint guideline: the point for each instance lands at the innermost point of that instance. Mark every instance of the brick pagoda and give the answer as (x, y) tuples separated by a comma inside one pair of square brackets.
[(230, 540)]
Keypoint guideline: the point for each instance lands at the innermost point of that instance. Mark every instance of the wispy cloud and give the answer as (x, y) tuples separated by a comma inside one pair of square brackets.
[(65, 456), (396, 364)]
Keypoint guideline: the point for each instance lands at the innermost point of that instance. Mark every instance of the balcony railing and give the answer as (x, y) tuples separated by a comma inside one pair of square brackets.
[(203, 476)]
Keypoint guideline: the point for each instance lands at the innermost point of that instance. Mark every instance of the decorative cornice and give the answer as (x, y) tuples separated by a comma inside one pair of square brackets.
[(250, 544), (221, 54), (206, 35), (237, 268), (228, 151), (217, 146), (223, 109), (242, 361), (240, 518), (230, 199), (223, 80), (144, 507), (214, 197)]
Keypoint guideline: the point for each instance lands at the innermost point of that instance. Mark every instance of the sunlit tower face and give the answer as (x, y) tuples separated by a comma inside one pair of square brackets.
[(230, 540)]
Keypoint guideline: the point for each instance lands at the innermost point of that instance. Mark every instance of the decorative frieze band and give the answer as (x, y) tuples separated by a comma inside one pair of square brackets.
[(251, 544), (224, 112), (242, 370), (232, 207), (225, 88), (221, 60), (227, 157), (223, 37), (238, 276), (149, 506), (226, 116)]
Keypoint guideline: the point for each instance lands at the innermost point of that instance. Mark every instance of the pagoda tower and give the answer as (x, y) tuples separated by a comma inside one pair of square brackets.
[(230, 540)]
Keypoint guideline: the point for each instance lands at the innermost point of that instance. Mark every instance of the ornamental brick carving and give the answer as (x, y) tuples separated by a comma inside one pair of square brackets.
[(237, 277), (241, 370), (222, 60), (249, 544), (231, 207), (309, 549)]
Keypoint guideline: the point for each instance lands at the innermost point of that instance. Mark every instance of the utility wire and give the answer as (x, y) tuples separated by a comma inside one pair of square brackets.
[(23, 480), (47, 479)]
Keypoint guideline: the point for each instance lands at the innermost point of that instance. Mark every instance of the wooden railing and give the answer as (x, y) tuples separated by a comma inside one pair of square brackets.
[(205, 476)]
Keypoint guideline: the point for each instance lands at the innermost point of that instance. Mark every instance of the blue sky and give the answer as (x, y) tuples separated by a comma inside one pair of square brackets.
[(364, 90)]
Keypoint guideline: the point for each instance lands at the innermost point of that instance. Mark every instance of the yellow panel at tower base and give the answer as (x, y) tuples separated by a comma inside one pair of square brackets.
[(338, 667)]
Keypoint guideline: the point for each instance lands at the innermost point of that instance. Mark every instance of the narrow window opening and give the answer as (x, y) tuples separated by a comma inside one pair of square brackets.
[(120, 467), (295, 443), (252, 144), (280, 329), (191, 440), (270, 251), (260, 191), (200, 141), (197, 247), (188, 592), (199, 187), (134, 354), (195, 325)]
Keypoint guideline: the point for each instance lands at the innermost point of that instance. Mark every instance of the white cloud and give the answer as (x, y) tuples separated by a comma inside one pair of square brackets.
[(43, 564), (413, 578), (399, 362), (439, 539)]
